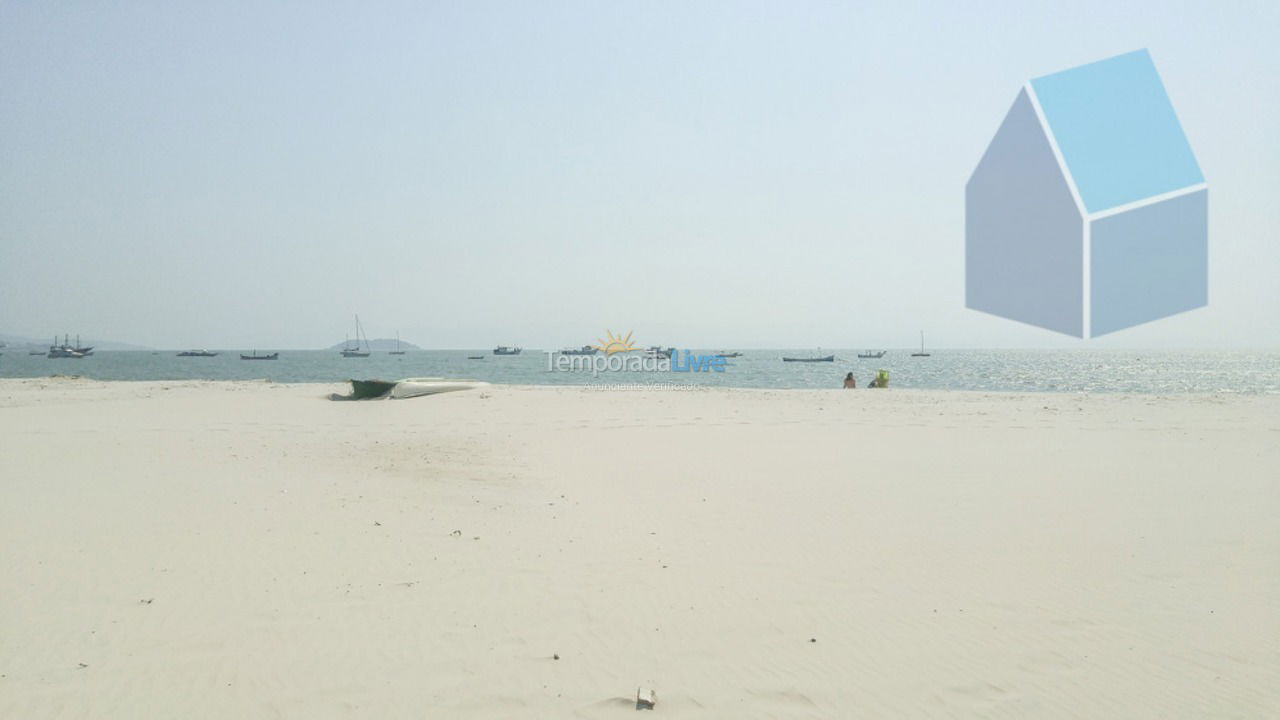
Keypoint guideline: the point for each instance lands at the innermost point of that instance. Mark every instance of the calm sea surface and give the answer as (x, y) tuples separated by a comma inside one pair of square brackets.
[(1000, 370)]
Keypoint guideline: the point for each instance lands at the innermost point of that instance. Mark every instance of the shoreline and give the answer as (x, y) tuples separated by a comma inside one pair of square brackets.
[(1014, 371), (333, 386)]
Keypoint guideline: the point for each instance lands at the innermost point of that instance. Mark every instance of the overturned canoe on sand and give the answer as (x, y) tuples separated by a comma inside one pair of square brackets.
[(413, 387), (407, 388)]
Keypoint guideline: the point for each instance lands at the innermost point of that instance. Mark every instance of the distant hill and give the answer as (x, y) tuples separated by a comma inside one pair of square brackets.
[(381, 344), (18, 341)]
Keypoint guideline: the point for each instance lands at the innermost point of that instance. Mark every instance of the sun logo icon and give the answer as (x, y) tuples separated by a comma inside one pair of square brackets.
[(615, 344)]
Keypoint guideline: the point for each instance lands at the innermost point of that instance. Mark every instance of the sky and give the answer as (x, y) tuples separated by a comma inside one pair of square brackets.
[(234, 175)]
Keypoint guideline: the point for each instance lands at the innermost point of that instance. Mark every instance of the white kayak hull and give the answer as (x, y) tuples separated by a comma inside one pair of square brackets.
[(417, 387)]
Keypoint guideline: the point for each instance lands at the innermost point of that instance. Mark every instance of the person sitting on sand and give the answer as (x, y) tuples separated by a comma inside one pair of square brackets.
[(849, 382)]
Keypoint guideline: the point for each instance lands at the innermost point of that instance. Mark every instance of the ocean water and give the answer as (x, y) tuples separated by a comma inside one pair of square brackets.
[(1097, 371)]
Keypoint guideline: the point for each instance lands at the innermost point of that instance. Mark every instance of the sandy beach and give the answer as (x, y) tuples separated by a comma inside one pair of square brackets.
[(250, 549)]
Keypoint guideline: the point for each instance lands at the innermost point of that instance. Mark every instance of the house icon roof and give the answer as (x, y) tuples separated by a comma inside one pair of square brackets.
[(1116, 129), (1088, 213)]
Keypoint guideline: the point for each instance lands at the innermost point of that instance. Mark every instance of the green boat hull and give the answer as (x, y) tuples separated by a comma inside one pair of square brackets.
[(367, 389)]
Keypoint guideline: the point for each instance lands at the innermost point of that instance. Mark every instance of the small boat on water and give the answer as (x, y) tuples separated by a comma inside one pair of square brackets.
[(505, 350), (584, 350), (63, 352), (657, 352), (348, 350), (67, 350), (729, 355), (475, 357), (871, 354), (397, 351), (197, 353), (256, 356), (828, 358), (922, 353)]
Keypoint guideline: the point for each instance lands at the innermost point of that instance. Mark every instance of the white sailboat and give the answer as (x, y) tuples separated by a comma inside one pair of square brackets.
[(349, 351), (922, 353)]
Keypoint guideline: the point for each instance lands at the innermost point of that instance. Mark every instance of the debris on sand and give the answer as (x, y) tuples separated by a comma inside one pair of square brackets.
[(646, 699)]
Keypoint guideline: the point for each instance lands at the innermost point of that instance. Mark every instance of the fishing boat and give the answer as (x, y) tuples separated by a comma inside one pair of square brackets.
[(827, 358), (354, 351), (871, 354), (505, 350), (922, 353), (67, 350), (256, 356), (197, 353), (584, 350), (658, 353), (397, 351)]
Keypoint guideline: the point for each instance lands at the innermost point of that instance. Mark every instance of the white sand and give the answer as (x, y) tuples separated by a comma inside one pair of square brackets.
[(248, 550)]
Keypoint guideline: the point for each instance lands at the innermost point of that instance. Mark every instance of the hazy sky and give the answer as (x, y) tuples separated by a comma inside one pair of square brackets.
[(705, 174)]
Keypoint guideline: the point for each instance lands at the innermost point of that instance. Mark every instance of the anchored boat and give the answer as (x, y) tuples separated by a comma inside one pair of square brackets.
[(828, 358), (67, 350), (349, 351), (584, 350), (922, 353)]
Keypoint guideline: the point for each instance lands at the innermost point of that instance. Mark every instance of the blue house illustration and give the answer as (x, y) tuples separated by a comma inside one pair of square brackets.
[(1088, 212)]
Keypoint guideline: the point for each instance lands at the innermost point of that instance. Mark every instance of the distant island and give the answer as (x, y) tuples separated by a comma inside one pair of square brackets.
[(378, 345)]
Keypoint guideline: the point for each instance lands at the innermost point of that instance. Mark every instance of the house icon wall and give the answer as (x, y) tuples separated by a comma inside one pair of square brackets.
[(1088, 212)]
